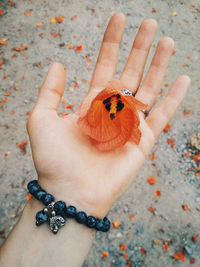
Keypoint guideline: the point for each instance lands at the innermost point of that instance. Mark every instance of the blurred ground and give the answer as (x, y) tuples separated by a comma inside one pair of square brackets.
[(29, 42)]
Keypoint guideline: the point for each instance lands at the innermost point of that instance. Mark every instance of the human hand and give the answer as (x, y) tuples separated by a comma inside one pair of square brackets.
[(67, 163)]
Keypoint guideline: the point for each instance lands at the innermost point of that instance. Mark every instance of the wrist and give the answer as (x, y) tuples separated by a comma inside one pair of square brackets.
[(84, 199)]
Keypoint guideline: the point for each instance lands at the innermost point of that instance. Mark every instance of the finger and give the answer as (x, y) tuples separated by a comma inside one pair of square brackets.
[(165, 111), (52, 88), (134, 68), (108, 55), (151, 86)]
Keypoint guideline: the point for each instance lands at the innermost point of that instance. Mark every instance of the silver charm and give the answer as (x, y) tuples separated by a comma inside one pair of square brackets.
[(56, 222), (126, 92)]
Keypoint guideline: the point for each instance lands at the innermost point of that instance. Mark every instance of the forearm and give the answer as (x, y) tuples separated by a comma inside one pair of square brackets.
[(32, 246)]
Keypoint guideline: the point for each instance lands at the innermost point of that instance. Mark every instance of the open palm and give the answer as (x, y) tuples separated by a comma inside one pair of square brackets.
[(68, 165)]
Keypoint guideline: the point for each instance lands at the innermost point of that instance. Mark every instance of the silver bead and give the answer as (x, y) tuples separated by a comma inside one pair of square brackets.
[(53, 213), (45, 210)]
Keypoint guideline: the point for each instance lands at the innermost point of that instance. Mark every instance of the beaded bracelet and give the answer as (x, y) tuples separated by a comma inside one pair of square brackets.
[(56, 213)]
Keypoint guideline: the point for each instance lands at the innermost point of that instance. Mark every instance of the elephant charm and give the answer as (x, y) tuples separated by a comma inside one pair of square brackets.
[(56, 222), (48, 214)]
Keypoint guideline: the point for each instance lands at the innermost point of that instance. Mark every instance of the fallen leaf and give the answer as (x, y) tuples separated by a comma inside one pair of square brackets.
[(151, 180), (116, 224), (104, 254)]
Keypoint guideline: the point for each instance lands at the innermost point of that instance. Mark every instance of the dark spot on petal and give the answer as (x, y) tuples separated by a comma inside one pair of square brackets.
[(107, 100), (112, 116), (120, 105), (108, 106), (117, 96)]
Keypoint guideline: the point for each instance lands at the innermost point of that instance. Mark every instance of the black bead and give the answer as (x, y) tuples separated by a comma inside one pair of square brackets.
[(70, 211), (33, 182), (41, 217), (81, 217), (60, 207), (91, 221), (106, 226), (47, 199), (39, 195), (34, 188), (99, 224)]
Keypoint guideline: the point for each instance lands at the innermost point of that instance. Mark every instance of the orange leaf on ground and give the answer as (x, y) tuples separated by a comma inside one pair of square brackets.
[(165, 245), (3, 41), (196, 157), (22, 146), (117, 223), (185, 207), (70, 106), (151, 209), (8, 92), (187, 154), (179, 256), (122, 246), (143, 251), (79, 48), (171, 142), (104, 254), (194, 238), (167, 127), (125, 256), (28, 197), (153, 156), (157, 193), (27, 13), (70, 46), (151, 180)]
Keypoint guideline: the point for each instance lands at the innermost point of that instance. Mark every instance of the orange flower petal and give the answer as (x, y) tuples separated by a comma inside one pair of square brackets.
[(126, 126), (111, 118)]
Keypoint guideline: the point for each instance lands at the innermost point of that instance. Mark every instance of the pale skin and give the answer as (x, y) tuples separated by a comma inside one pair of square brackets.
[(71, 168)]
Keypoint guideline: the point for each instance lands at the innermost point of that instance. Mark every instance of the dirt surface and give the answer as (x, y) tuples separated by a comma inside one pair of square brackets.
[(30, 42)]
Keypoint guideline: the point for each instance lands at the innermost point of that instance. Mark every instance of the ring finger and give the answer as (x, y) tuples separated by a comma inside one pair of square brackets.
[(153, 80)]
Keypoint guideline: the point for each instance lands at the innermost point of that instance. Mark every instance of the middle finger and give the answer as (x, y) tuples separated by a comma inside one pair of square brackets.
[(134, 68)]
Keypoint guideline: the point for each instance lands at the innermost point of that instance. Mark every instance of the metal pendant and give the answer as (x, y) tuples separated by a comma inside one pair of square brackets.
[(55, 221)]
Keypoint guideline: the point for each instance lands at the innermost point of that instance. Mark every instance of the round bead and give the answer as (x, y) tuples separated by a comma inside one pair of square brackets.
[(106, 226), (34, 188), (59, 207), (70, 211), (41, 217), (81, 217), (33, 182), (47, 199), (99, 224), (40, 194), (91, 221)]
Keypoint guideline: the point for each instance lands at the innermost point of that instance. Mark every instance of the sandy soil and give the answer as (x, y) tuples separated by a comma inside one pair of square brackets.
[(175, 214)]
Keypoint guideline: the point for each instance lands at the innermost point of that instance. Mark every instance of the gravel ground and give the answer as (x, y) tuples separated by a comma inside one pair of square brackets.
[(151, 229)]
